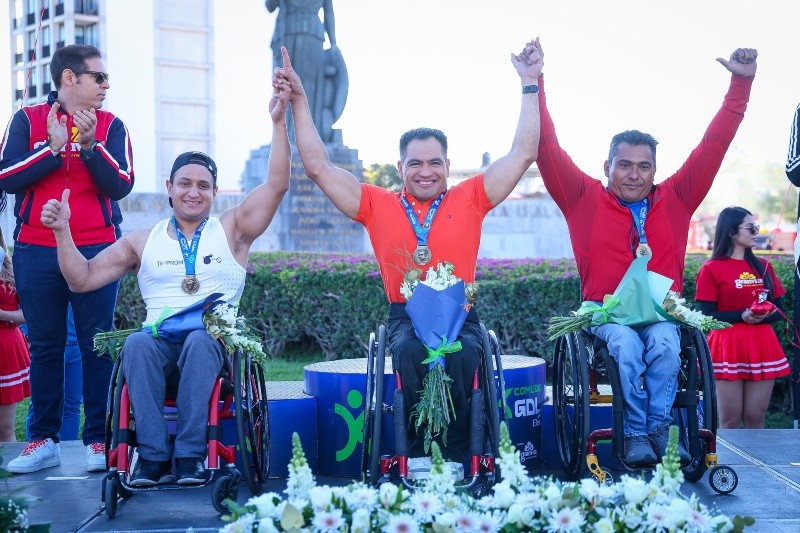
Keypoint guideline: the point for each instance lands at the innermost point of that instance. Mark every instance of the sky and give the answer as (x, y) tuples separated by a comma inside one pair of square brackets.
[(609, 66)]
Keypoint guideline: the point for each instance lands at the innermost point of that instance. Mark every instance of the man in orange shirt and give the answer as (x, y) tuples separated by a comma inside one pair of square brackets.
[(426, 223)]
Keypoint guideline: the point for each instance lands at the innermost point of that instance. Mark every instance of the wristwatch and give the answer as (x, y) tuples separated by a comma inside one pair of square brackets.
[(530, 89)]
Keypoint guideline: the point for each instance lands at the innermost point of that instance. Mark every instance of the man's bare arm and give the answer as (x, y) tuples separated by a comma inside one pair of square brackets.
[(342, 187), (81, 274), (253, 216), (502, 175)]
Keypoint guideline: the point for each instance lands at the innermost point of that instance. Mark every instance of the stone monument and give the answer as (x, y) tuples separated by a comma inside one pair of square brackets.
[(306, 219)]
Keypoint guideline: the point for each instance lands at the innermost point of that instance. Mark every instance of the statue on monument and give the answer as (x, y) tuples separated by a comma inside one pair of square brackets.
[(298, 27)]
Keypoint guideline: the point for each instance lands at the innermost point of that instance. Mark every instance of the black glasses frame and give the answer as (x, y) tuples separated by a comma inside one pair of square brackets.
[(99, 77), (752, 228)]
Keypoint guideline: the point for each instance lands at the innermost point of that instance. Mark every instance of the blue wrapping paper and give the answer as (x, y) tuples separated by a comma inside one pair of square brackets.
[(175, 328), (438, 315)]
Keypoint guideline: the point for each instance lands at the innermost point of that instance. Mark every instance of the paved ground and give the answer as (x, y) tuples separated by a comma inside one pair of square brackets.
[(767, 462)]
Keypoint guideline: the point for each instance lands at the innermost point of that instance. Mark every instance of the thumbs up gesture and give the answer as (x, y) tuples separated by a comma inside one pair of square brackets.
[(55, 214)]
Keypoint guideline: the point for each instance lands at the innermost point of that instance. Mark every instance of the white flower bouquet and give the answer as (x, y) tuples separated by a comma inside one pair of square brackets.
[(218, 317), (438, 307), (519, 503)]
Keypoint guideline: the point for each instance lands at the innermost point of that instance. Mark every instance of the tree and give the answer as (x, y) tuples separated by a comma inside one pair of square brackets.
[(385, 176)]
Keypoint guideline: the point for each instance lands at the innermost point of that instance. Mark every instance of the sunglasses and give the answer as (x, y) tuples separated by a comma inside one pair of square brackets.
[(752, 228), (99, 77)]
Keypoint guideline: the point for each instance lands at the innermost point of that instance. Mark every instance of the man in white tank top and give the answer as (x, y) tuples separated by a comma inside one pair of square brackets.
[(216, 252)]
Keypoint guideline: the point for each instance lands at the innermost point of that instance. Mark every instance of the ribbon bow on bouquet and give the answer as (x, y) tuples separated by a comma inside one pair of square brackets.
[(437, 316), (641, 298)]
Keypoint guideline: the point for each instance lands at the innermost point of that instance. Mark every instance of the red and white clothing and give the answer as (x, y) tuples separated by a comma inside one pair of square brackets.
[(744, 351), (30, 171), (455, 233), (14, 357), (602, 230)]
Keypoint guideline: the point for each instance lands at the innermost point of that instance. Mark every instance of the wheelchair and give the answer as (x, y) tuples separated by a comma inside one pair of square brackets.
[(487, 406), (243, 398), (581, 362)]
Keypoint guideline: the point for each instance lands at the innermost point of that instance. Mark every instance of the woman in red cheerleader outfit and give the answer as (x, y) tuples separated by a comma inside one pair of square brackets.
[(747, 357), (14, 356)]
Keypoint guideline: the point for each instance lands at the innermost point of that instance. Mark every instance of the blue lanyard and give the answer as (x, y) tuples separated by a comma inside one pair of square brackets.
[(639, 212), (189, 250), (422, 230)]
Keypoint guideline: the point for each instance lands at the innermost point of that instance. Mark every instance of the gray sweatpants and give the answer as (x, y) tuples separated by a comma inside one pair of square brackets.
[(149, 366)]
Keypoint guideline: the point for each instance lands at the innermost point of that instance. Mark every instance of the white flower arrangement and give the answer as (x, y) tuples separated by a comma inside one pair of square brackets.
[(222, 322), (675, 306), (225, 324), (518, 503), (439, 277)]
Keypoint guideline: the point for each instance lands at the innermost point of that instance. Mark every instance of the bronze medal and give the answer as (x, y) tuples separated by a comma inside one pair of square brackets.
[(643, 250), (422, 255), (190, 284)]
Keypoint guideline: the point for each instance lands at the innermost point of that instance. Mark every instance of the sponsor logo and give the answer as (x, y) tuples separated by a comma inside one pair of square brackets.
[(355, 425)]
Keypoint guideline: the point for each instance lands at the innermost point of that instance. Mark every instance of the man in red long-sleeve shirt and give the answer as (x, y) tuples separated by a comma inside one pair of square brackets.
[(610, 226)]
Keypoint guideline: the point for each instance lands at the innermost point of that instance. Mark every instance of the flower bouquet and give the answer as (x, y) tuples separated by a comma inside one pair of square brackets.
[(437, 307), (519, 503), (635, 302), (216, 316)]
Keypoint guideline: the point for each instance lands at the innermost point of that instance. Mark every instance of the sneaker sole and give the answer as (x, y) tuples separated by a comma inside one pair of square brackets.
[(96, 468), (34, 468)]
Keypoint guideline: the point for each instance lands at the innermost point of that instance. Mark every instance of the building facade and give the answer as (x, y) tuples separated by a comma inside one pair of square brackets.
[(160, 57)]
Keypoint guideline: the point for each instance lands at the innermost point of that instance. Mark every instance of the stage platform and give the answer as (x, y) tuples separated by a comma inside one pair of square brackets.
[(767, 462)]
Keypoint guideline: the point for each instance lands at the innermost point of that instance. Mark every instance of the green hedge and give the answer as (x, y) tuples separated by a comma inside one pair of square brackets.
[(336, 300)]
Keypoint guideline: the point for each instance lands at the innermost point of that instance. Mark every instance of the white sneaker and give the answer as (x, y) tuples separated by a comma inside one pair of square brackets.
[(96, 457), (419, 468), (38, 454), (456, 470)]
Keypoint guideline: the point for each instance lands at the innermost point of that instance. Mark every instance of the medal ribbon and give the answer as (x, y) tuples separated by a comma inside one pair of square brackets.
[(189, 250), (422, 230), (639, 212)]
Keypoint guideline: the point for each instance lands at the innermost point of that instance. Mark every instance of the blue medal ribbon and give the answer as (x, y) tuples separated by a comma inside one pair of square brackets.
[(189, 251), (639, 212), (422, 230)]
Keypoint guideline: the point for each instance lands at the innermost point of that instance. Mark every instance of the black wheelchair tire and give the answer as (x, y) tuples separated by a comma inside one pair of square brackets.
[(252, 419), (571, 403)]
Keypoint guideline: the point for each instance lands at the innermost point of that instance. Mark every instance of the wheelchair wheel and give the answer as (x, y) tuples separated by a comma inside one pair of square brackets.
[(252, 419), (706, 411), (225, 487), (571, 402), (494, 405), (112, 406), (723, 479), (373, 408), (110, 494)]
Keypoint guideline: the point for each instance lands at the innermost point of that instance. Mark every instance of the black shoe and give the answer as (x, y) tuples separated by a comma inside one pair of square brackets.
[(150, 473), (191, 471), (638, 451), (660, 439)]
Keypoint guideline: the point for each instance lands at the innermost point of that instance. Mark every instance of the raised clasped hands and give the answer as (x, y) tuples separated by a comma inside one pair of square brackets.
[(529, 62), (55, 214), (285, 79), (742, 62)]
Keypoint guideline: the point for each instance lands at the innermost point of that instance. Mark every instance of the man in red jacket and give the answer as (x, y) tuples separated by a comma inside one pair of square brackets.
[(611, 225), (66, 142)]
